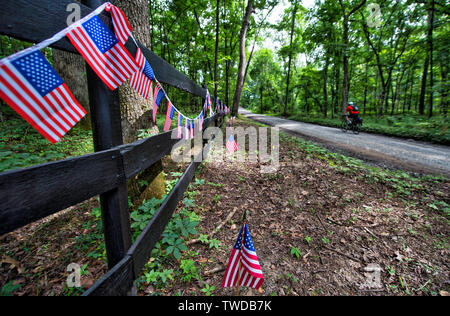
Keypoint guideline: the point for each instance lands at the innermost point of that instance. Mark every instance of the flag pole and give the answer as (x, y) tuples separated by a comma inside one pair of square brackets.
[(244, 219)]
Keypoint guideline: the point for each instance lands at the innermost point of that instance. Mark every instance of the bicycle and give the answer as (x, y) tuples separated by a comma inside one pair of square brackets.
[(350, 124)]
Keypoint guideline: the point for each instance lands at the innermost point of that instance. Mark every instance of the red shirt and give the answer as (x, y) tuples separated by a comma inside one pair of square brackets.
[(351, 110)]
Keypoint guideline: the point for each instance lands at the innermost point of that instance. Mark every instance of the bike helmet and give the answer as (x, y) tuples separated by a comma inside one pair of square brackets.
[(350, 103)]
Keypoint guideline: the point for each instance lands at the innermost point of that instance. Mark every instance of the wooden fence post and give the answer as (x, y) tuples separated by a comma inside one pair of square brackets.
[(107, 133)]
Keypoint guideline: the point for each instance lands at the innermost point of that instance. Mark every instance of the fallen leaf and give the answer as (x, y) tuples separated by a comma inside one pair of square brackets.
[(12, 262)]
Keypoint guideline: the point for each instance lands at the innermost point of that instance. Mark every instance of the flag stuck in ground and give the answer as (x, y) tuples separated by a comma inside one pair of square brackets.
[(243, 267), (231, 144)]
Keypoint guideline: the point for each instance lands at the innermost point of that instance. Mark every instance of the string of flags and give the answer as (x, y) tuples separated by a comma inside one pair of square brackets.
[(30, 85)]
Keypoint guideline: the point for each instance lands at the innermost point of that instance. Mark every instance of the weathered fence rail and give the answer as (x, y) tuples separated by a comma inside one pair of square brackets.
[(33, 193)]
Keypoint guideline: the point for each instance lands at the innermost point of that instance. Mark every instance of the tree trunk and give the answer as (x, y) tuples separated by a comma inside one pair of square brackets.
[(261, 99), (345, 27), (444, 91), (365, 88), (325, 92), (71, 69), (286, 100), (216, 49), (241, 71), (136, 112), (430, 46), (423, 87)]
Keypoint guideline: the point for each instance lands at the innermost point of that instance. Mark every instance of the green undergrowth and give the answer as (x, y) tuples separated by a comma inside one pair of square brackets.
[(400, 183), (22, 146), (170, 259)]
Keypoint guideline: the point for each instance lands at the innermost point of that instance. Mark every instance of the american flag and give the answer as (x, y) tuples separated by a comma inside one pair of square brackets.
[(243, 265), (169, 117), (231, 144), (158, 95), (103, 52), (186, 129), (141, 80), (208, 98), (200, 122), (179, 131), (34, 90), (122, 27)]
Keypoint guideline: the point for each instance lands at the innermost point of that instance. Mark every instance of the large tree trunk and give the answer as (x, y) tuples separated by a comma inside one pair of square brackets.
[(241, 71), (71, 69), (137, 112)]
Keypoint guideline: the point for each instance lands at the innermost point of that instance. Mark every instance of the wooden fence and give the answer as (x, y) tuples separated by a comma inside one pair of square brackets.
[(31, 194)]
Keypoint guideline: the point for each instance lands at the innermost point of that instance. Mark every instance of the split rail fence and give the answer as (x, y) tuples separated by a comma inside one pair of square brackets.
[(33, 193)]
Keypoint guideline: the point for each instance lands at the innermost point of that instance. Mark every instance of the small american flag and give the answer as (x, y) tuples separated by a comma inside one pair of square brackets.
[(179, 127), (169, 117), (141, 80), (103, 52), (186, 129), (231, 144), (243, 267), (208, 98), (34, 90), (200, 122), (122, 27), (158, 95)]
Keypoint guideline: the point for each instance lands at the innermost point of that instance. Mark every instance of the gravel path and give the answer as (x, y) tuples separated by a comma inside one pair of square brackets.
[(383, 150)]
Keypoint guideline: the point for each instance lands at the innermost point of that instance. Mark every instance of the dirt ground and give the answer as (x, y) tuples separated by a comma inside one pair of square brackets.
[(318, 229)]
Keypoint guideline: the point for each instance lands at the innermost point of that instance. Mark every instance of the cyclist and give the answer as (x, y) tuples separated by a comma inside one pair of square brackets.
[(354, 113)]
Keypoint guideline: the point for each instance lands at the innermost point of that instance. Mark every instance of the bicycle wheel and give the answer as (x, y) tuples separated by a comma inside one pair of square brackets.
[(344, 126), (355, 128)]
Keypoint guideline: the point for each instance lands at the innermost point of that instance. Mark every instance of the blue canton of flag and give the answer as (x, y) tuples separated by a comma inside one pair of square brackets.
[(34, 90), (103, 52)]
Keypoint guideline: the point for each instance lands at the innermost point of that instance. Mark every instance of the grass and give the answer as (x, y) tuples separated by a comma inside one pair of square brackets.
[(22, 146)]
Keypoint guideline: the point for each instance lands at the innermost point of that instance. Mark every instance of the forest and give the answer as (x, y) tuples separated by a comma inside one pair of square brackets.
[(331, 212)]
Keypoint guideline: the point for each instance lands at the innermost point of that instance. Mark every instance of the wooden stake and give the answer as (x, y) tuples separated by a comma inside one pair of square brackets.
[(244, 218)]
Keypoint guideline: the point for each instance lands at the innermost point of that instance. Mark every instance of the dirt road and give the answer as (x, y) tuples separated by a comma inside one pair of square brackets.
[(382, 150)]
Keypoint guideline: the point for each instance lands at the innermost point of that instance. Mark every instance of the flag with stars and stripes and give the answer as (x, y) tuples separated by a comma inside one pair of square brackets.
[(122, 27), (200, 122), (103, 52), (158, 95), (169, 117), (186, 129), (34, 90), (179, 127), (243, 267), (231, 144), (141, 80)]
